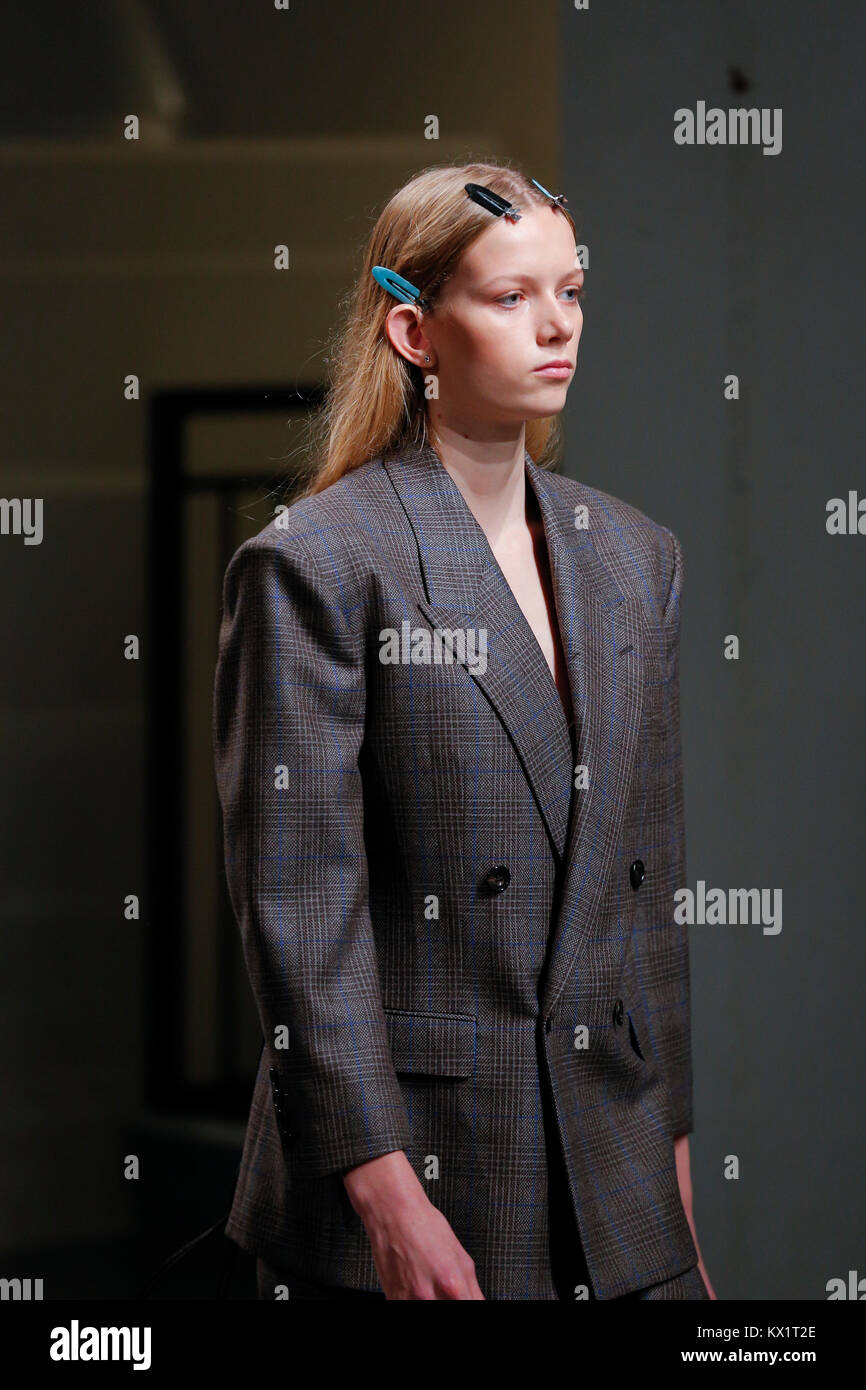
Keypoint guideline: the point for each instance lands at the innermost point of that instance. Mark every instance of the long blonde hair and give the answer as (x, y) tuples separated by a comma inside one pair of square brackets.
[(376, 401)]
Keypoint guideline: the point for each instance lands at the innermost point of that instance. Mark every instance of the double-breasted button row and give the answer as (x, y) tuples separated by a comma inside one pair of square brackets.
[(497, 878), (280, 1107)]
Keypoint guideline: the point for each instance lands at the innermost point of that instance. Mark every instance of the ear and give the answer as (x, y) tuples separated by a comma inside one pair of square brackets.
[(405, 332)]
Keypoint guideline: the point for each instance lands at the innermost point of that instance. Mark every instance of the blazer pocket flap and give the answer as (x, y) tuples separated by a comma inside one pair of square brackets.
[(431, 1044)]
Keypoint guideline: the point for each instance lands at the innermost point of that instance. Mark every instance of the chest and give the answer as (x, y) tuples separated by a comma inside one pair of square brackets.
[(525, 564)]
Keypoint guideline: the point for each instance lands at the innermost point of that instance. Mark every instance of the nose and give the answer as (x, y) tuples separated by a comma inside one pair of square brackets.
[(559, 321)]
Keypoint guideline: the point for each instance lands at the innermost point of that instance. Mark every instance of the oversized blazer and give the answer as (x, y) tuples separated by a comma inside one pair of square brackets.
[(442, 909)]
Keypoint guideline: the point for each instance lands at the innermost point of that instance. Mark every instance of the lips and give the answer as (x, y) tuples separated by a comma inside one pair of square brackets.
[(555, 371)]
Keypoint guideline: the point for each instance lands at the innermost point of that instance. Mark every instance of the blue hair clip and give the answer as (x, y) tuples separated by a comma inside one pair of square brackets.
[(557, 198), (400, 288)]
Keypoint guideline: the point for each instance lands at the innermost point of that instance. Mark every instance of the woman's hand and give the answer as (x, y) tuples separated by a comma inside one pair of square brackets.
[(684, 1178), (416, 1253)]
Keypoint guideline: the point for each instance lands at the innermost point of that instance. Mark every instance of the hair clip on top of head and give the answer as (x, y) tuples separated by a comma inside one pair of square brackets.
[(555, 198), (486, 198), (401, 288), (495, 204)]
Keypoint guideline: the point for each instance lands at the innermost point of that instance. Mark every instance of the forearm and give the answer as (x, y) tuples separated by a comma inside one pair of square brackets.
[(379, 1182)]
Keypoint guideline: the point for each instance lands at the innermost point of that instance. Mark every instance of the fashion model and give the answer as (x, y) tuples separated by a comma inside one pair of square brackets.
[(446, 733)]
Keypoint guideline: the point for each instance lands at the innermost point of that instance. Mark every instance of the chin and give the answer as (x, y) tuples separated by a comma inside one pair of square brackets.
[(541, 412), (556, 391)]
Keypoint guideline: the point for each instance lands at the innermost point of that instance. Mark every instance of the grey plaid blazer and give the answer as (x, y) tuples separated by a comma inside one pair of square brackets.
[(434, 926)]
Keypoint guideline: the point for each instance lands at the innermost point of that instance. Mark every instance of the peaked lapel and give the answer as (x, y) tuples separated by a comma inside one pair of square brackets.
[(602, 636)]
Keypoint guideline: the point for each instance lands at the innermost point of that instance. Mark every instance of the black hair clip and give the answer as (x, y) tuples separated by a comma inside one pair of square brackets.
[(491, 201)]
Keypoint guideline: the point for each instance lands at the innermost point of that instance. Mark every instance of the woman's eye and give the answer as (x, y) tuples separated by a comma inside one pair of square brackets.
[(577, 293)]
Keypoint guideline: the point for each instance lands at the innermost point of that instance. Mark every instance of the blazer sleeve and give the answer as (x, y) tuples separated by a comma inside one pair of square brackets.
[(289, 709), (665, 947)]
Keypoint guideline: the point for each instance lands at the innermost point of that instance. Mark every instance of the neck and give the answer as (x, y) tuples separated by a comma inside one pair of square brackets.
[(491, 476)]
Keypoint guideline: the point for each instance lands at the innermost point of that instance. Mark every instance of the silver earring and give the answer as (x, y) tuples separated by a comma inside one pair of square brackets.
[(426, 358)]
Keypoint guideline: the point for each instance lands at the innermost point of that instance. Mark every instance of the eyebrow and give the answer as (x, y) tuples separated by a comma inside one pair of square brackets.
[(510, 275)]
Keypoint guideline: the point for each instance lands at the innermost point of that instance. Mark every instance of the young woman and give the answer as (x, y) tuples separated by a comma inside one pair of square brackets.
[(447, 747)]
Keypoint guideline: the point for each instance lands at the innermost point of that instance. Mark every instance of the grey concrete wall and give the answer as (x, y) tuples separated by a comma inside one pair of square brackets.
[(706, 261)]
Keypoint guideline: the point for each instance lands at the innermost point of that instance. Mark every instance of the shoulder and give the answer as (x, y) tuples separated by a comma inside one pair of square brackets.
[(643, 555), (321, 537)]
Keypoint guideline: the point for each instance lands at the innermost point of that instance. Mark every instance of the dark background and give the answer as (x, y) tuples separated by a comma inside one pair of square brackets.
[(154, 258)]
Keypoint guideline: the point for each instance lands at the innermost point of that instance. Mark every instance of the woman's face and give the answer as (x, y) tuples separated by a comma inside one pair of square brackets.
[(510, 307)]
